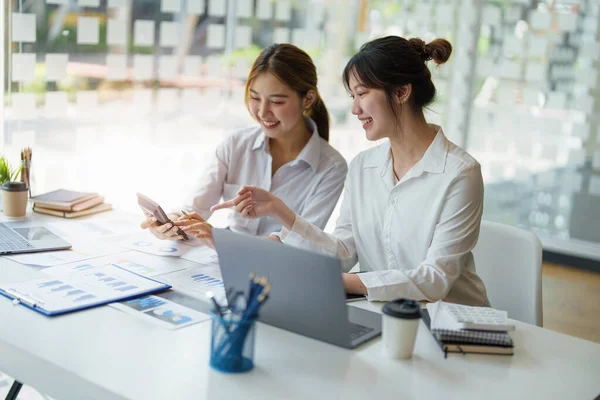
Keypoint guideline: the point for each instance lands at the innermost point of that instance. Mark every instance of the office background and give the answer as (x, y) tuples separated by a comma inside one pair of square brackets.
[(120, 96)]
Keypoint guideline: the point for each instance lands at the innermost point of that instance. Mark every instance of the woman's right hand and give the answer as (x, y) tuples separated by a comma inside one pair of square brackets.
[(162, 231), (253, 202)]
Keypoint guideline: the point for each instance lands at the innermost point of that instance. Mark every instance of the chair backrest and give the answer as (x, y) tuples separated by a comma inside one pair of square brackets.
[(509, 261)]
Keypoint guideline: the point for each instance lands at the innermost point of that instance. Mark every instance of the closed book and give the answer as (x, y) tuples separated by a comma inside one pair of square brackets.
[(467, 344), (476, 349), (62, 199), (73, 214)]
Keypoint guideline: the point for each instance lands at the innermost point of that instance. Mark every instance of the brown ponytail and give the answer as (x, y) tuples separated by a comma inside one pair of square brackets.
[(295, 68), (318, 112)]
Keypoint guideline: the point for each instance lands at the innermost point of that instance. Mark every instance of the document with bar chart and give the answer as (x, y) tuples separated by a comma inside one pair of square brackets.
[(161, 312), (198, 281), (77, 286)]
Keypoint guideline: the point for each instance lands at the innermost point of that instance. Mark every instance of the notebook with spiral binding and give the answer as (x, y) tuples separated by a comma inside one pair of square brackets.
[(473, 337), (468, 341)]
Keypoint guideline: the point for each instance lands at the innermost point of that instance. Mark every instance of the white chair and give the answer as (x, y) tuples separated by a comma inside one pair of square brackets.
[(509, 261)]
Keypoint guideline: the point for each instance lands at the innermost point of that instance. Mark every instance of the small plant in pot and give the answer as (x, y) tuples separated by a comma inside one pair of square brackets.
[(7, 174)]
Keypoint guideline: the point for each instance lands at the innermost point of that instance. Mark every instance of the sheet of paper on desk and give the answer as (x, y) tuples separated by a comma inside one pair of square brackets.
[(146, 264), (147, 243), (77, 285), (161, 312), (81, 250), (198, 281), (139, 263), (93, 229), (202, 255), (50, 258)]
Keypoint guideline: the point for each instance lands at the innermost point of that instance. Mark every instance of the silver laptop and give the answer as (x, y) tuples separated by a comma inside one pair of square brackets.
[(307, 294), (28, 237)]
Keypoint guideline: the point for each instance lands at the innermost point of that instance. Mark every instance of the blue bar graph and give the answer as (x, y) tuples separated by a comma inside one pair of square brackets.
[(83, 267), (51, 283), (208, 281), (107, 279), (74, 292), (115, 284), (83, 298), (147, 302), (61, 288), (99, 274), (126, 288), (138, 268)]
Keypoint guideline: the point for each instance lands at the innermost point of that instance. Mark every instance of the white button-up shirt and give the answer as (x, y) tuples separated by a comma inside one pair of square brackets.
[(310, 185), (412, 238)]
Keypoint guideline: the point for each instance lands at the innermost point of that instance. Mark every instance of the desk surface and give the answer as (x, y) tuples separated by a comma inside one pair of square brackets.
[(106, 354)]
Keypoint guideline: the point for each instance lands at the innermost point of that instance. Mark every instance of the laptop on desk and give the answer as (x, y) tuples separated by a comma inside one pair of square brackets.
[(28, 237), (307, 293)]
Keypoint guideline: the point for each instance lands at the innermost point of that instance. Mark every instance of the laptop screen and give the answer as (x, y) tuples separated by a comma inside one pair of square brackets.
[(36, 233)]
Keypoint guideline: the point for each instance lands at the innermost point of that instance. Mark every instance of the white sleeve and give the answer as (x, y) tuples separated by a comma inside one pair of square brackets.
[(320, 204), (454, 237), (209, 188), (339, 244)]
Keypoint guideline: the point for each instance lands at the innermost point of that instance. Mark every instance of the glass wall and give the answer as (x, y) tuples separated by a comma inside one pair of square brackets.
[(120, 96)]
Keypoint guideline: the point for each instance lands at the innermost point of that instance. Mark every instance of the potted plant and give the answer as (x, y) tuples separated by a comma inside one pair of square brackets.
[(7, 174)]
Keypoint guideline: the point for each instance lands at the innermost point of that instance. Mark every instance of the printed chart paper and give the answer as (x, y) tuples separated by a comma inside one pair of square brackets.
[(162, 312)]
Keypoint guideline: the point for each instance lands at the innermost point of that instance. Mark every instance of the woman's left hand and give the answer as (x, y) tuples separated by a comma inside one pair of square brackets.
[(353, 284), (193, 224)]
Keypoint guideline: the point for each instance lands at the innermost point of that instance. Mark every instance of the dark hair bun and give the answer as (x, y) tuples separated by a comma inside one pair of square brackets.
[(438, 50)]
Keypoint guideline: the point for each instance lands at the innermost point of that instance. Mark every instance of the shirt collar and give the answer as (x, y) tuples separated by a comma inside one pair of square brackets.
[(433, 160), (311, 153)]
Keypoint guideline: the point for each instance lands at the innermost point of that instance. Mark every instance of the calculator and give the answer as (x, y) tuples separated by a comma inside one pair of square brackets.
[(481, 318)]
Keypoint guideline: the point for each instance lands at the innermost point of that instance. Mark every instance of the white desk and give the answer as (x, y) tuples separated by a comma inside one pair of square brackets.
[(105, 354)]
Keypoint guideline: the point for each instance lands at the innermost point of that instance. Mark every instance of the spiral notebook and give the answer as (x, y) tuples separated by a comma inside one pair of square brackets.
[(469, 341)]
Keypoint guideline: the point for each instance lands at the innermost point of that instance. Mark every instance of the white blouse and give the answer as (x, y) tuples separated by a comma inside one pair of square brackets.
[(310, 185), (414, 238)]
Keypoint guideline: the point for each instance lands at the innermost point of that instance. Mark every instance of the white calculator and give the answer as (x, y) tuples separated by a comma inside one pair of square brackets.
[(482, 318)]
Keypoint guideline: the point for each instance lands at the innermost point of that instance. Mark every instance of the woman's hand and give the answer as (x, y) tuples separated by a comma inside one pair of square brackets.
[(162, 231), (353, 284), (253, 202), (194, 225)]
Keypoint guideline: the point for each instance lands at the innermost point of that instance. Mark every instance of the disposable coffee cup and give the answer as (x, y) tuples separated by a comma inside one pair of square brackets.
[(14, 199), (400, 322)]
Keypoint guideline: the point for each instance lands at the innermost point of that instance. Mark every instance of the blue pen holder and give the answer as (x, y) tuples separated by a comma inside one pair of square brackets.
[(232, 344)]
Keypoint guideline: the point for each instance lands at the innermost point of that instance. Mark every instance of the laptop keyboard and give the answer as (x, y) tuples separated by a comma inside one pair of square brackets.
[(11, 240), (357, 331)]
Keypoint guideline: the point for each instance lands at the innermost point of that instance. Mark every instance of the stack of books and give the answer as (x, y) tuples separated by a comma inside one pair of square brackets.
[(466, 329), (69, 204)]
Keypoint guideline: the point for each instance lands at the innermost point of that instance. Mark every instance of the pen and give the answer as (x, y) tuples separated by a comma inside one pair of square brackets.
[(211, 296)]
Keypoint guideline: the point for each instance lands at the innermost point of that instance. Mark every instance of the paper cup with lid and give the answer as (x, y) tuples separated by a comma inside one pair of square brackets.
[(399, 328)]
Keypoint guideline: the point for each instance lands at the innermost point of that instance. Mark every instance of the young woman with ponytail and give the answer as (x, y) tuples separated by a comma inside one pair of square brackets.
[(412, 206), (288, 154)]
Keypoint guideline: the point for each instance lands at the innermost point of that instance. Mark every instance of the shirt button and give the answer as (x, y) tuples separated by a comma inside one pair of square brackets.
[(394, 202)]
